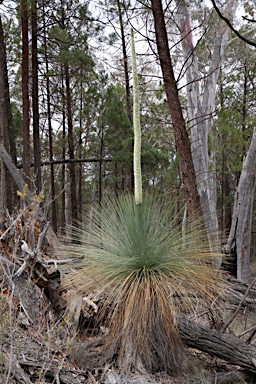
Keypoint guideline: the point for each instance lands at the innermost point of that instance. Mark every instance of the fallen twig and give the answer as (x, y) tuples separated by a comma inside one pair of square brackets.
[(239, 306)]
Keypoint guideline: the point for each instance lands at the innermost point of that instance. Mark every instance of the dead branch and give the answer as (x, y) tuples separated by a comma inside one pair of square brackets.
[(227, 347), (239, 306)]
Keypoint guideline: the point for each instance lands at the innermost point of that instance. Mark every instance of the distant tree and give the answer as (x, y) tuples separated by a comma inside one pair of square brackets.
[(233, 29), (69, 66), (201, 94), (239, 239)]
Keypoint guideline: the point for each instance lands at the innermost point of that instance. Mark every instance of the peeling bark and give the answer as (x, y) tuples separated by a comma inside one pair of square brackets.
[(239, 240)]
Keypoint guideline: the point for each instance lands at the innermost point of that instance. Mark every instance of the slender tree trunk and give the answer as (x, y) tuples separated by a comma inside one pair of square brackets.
[(53, 197), (35, 107), (25, 93), (80, 167), (10, 130), (116, 179), (179, 125), (125, 61), (127, 83), (3, 122), (63, 168), (8, 183), (72, 168), (100, 162)]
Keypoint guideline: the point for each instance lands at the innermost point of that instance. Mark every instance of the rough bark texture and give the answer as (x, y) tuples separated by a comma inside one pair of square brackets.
[(35, 106), (3, 120), (179, 125), (49, 115), (224, 346), (239, 240), (10, 130), (8, 190)]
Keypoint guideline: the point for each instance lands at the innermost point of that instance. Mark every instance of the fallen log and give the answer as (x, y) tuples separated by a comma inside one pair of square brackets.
[(227, 347)]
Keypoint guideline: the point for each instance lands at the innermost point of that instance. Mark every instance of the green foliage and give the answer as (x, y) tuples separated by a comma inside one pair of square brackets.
[(138, 258), (232, 140)]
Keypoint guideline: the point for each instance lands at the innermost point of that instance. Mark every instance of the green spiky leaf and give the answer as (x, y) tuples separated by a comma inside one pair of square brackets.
[(138, 257)]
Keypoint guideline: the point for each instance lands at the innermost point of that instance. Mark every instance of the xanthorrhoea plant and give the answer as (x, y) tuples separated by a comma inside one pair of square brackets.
[(137, 257)]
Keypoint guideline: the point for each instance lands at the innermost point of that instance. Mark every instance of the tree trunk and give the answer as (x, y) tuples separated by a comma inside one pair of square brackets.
[(63, 168), (127, 84), (25, 93), (200, 110), (125, 60), (239, 240), (3, 122), (9, 121), (49, 115), (11, 198), (179, 125), (72, 168), (35, 108), (80, 167), (100, 177)]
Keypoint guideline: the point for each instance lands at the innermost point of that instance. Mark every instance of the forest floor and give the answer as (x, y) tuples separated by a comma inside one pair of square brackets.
[(45, 342)]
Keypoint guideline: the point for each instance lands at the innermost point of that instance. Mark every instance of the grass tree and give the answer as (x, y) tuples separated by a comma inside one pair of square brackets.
[(136, 256)]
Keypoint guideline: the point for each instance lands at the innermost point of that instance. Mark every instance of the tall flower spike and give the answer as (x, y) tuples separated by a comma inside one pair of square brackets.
[(136, 127)]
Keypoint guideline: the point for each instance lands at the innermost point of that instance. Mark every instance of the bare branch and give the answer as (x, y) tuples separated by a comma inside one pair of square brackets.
[(221, 16)]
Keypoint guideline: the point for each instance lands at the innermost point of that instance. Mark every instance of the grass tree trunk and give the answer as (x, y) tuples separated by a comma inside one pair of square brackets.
[(179, 126)]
